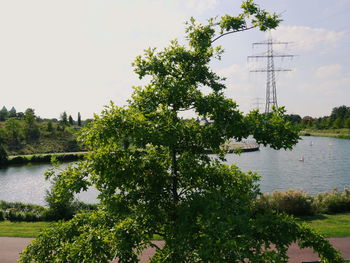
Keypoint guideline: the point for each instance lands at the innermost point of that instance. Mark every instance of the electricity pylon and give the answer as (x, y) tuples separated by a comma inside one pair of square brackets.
[(271, 94)]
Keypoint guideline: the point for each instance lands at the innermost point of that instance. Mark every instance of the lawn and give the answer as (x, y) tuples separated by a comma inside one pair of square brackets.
[(21, 229), (328, 225)]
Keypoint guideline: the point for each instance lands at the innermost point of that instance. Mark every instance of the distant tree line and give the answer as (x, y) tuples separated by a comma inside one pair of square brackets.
[(338, 119), (22, 132)]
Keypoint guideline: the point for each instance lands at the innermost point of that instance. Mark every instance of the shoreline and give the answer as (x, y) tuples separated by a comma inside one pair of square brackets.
[(326, 133), (43, 158)]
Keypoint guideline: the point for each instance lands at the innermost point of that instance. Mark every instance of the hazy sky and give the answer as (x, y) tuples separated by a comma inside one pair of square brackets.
[(75, 55)]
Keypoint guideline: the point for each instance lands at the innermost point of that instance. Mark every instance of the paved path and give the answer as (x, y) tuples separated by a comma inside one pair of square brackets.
[(11, 246)]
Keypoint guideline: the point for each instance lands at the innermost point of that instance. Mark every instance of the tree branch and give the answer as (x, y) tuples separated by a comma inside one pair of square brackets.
[(231, 32)]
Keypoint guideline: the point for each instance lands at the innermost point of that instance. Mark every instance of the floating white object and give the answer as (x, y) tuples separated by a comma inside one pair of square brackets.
[(301, 159)]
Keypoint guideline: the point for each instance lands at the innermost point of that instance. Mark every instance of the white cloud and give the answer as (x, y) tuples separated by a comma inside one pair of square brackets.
[(234, 72), (306, 38), (201, 5), (328, 71), (330, 85)]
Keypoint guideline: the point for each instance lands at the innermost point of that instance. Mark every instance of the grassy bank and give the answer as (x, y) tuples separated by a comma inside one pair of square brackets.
[(334, 133)]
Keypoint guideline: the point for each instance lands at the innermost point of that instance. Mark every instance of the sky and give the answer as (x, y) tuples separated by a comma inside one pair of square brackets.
[(76, 55)]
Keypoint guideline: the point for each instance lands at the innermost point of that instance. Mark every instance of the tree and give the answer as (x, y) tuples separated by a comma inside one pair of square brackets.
[(32, 131), (29, 117), (64, 118), (12, 113), (338, 123), (3, 114), (20, 115), (79, 119), (341, 112), (293, 118), (347, 123), (70, 120), (204, 210), (49, 127), (14, 130)]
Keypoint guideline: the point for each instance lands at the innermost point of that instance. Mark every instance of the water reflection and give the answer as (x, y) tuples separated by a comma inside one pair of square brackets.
[(326, 165), (27, 184)]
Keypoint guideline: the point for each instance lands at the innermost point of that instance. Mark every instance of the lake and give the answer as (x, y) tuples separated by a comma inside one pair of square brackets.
[(326, 166)]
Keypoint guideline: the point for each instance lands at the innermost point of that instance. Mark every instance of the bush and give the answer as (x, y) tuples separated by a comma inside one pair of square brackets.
[(292, 202), (17, 211), (334, 202), (64, 210), (4, 205), (14, 216), (298, 203)]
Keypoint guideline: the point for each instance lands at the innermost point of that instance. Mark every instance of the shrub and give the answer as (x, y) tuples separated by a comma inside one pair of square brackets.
[(14, 216), (334, 202), (17, 211), (292, 202), (4, 205)]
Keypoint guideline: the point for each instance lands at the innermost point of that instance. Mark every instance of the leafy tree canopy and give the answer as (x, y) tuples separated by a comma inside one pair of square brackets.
[(29, 117), (204, 210), (341, 112)]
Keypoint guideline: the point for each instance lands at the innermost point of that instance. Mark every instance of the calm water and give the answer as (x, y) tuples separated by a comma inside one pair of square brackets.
[(326, 166), (27, 184)]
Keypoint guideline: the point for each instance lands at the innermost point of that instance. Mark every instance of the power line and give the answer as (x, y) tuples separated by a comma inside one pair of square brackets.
[(257, 103)]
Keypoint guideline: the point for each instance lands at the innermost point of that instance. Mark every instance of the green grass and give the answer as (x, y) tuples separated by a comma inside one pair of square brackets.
[(330, 225), (335, 133), (21, 229)]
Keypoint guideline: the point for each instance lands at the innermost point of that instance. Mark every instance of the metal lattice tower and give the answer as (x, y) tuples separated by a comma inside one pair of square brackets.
[(271, 93)]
